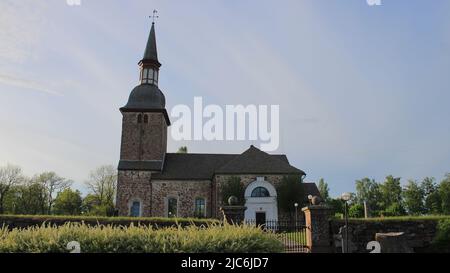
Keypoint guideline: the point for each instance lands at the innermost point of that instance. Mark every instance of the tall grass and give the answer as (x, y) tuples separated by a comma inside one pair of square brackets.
[(139, 239)]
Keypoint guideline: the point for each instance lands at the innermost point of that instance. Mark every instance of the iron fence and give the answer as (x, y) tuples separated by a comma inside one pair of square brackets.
[(292, 234)]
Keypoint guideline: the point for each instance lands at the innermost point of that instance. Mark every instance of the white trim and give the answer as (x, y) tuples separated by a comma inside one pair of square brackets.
[(261, 204)]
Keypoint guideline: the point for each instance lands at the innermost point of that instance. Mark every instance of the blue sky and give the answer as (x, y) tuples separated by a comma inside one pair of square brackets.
[(363, 90)]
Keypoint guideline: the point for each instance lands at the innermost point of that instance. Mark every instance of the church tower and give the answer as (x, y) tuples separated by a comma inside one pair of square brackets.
[(144, 136)]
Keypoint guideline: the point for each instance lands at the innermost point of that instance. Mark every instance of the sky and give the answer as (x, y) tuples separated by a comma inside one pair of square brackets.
[(363, 90)]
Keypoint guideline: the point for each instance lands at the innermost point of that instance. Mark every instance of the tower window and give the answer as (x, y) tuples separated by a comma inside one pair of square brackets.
[(139, 118), (149, 75), (145, 118)]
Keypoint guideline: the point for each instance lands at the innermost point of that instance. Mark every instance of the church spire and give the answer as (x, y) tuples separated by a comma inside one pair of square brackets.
[(149, 64), (151, 53)]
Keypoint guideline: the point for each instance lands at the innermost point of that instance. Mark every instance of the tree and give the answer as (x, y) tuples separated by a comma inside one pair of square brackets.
[(68, 202), (413, 196), (89, 203), (289, 192), (53, 185), (369, 191), (182, 150), (10, 176), (102, 183), (356, 210), (31, 198), (324, 190), (391, 193), (444, 193), (337, 204), (233, 187), (432, 199)]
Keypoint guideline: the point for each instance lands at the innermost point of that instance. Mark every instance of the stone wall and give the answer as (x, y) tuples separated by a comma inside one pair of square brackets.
[(133, 186), (145, 140), (184, 191), (418, 233)]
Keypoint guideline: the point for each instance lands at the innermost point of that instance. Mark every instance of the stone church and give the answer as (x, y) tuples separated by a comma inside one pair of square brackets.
[(154, 183)]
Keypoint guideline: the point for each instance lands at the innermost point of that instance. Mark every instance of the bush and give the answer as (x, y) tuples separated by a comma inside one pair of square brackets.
[(441, 242), (139, 239), (23, 221), (356, 211)]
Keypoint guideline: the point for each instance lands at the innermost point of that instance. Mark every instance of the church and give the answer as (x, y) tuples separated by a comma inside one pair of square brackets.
[(155, 183)]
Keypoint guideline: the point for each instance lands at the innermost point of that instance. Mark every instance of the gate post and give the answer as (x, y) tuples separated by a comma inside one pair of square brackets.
[(318, 236)]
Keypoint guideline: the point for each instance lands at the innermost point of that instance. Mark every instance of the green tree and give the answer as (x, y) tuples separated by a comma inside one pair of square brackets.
[(432, 199), (233, 187), (391, 193), (53, 185), (10, 176), (324, 190), (356, 210), (182, 150), (89, 204), (413, 196), (68, 202), (31, 198), (369, 191), (102, 183), (337, 205), (289, 192), (444, 193)]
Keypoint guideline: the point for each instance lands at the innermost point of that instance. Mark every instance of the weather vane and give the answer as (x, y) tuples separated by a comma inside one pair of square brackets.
[(154, 16)]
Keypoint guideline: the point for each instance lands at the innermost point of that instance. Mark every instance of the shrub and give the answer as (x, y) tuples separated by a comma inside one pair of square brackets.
[(233, 187), (139, 239), (356, 211), (441, 242)]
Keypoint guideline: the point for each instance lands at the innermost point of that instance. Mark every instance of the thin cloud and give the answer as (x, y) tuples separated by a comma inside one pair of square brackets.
[(29, 84)]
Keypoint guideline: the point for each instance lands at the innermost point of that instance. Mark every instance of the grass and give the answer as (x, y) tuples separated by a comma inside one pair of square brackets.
[(298, 237), (139, 239)]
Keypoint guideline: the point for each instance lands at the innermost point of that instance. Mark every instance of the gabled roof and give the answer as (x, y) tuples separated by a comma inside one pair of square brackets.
[(256, 161), (178, 166)]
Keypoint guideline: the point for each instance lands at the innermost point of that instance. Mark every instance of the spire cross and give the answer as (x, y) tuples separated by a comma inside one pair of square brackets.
[(154, 16)]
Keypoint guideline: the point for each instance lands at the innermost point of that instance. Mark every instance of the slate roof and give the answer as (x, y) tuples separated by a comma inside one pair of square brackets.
[(178, 166), (256, 161)]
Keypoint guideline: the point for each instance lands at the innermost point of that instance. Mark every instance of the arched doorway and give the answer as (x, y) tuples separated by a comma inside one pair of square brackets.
[(261, 202)]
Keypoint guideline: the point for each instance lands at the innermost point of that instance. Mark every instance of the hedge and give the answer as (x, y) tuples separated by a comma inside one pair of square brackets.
[(24, 221), (138, 239)]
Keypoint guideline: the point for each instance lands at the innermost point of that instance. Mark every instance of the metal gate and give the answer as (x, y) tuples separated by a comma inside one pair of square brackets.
[(290, 233)]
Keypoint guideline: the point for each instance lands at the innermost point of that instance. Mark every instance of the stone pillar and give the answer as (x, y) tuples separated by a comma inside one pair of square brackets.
[(233, 214), (318, 235)]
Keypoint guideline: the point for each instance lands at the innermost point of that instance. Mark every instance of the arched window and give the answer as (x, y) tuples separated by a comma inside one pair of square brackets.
[(135, 210), (260, 192), (139, 118), (172, 207), (200, 208), (145, 118)]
